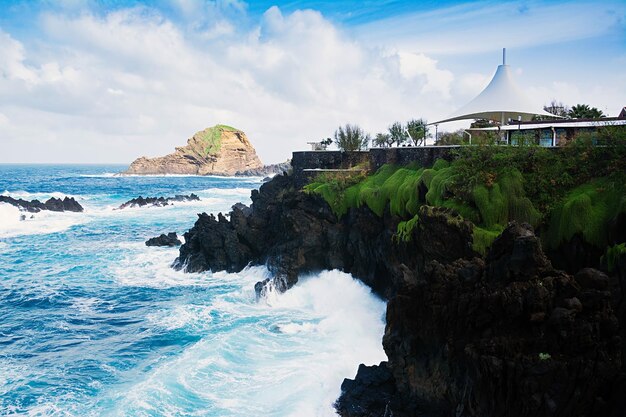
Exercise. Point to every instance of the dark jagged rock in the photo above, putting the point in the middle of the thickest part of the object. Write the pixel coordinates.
(170, 239)
(522, 340)
(67, 204)
(52, 204)
(370, 394)
(158, 201)
(507, 335)
(294, 232)
(266, 170)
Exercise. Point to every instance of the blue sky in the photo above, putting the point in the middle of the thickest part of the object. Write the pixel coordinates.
(107, 81)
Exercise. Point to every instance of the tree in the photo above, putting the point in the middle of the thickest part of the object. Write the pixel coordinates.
(382, 139)
(326, 143)
(417, 130)
(584, 111)
(351, 138)
(557, 109)
(480, 123)
(397, 134)
(451, 138)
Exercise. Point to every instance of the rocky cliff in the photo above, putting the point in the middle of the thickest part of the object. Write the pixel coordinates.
(504, 334)
(218, 150)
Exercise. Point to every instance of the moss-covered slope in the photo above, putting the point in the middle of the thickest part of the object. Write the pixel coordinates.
(579, 190)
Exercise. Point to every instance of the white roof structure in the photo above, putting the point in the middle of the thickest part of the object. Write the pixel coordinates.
(501, 100)
(556, 124)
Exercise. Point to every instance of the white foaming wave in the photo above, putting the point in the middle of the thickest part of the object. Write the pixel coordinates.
(182, 316)
(103, 175)
(42, 196)
(328, 324)
(218, 177)
(151, 267)
(240, 191)
(43, 222)
(203, 202)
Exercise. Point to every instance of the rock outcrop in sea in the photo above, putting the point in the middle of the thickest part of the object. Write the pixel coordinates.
(266, 170)
(170, 239)
(466, 335)
(158, 201)
(52, 204)
(218, 150)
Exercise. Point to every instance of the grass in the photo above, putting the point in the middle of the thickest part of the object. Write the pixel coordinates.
(612, 256)
(212, 138)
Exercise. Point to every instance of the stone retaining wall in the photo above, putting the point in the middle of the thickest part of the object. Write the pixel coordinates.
(305, 163)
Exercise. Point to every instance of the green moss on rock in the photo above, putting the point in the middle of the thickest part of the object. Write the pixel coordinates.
(212, 139)
(483, 238)
(405, 229)
(612, 256)
(588, 210)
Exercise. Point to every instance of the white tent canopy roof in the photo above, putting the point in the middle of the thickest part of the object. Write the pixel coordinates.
(501, 100)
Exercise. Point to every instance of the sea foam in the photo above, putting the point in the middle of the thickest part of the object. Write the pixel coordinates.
(281, 357)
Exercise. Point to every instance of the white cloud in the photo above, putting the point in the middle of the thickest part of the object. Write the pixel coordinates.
(437, 80)
(131, 82)
(107, 87)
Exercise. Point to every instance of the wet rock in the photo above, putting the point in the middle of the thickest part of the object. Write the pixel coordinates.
(52, 204)
(157, 201)
(170, 239)
(369, 394)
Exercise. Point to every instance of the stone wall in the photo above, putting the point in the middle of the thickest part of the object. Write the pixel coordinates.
(425, 156)
(308, 164)
(321, 160)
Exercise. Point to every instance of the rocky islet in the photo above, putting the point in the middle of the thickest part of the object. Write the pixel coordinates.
(52, 204)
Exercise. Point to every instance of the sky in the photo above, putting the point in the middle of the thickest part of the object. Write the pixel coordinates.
(86, 81)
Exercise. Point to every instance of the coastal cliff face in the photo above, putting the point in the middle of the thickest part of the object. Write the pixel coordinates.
(218, 150)
(467, 335)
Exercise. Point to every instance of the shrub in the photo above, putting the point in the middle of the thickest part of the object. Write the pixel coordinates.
(351, 138)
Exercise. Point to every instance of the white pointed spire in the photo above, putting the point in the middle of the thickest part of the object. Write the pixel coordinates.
(501, 100)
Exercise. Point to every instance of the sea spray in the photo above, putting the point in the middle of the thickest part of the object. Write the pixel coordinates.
(95, 323)
(286, 356)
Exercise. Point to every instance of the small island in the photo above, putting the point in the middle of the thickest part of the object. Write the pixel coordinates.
(217, 150)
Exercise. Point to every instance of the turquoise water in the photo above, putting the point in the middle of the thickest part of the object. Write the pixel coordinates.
(94, 323)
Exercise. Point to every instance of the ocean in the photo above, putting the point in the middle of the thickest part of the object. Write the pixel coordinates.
(95, 323)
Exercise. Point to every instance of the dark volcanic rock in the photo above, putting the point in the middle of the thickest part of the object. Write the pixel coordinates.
(523, 340)
(294, 232)
(52, 204)
(170, 239)
(507, 335)
(370, 394)
(266, 170)
(67, 204)
(157, 201)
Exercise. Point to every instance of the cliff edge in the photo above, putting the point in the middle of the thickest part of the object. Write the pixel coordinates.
(217, 150)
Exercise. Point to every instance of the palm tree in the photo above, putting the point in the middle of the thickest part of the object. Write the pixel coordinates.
(584, 111)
